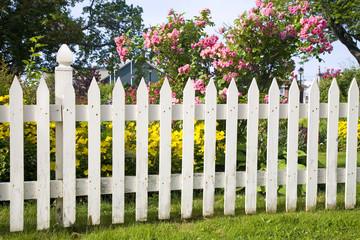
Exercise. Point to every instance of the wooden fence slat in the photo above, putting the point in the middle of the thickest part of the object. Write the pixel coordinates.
(16, 157)
(142, 122)
(252, 148)
(118, 164)
(209, 149)
(272, 147)
(312, 147)
(69, 167)
(231, 149)
(94, 198)
(292, 147)
(188, 150)
(332, 145)
(43, 156)
(165, 151)
(351, 145)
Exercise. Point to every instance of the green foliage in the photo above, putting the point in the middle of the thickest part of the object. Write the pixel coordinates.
(6, 78)
(32, 71)
(343, 80)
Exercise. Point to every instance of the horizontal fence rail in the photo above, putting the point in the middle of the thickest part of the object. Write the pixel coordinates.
(65, 113)
(81, 112)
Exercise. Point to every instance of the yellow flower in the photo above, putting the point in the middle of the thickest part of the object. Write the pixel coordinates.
(103, 168)
(52, 166)
(220, 135)
(108, 139)
(131, 125)
(86, 172)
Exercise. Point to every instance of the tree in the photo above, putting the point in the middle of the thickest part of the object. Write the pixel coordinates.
(343, 19)
(91, 35)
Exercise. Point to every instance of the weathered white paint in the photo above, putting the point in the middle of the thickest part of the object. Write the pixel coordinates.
(188, 150)
(231, 149)
(118, 161)
(16, 157)
(43, 156)
(165, 151)
(69, 167)
(332, 146)
(94, 200)
(252, 148)
(209, 149)
(272, 147)
(142, 121)
(351, 145)
(63, 76)
(312, 147)
(292, 147)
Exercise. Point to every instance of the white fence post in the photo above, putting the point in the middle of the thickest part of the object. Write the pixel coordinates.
(187, 169)
(142, 139)
(292, 147)
(43, 156)
(63, 75)
(16, 157)
(252, 148)
(231, 149)
(94, 161)
(351, 145)
(118, 161)
(312, 148)
(332, 146)
(165, 151)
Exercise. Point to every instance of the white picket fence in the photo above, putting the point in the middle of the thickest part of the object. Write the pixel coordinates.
(66, 186)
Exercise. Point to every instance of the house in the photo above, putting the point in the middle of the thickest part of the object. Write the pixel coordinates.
(130, 73)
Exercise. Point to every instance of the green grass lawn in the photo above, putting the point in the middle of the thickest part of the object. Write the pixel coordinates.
(318, 224)
(341, 159)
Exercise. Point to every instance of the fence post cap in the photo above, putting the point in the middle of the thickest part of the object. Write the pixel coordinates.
(64, 56)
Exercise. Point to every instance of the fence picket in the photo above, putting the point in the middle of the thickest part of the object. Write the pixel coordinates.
(118, 163)
(209, 149)
(142, 122)
(188, 150)
(69, 167)
(94, 163)
(231, 149)
(292, 147)
(43, 156)
(165, 151)
(252, 148)
(332, 145)
(16, 157)
(312, 147)
(351, 145)
(272, 147)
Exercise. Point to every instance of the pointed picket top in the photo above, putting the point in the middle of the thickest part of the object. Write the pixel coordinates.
(142, 89)
(94, 87)
(354, 89)
(189, 89)
(210, 87)
(165, 88)
(15, 85)
(314, 89)
(118, 88)
(64, 56)
(294, 87)
(253, 87)
(233, 88)
(42, 85)
(274, 88)
(334, 88)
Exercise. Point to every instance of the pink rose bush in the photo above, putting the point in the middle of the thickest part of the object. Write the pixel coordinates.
(260, 44)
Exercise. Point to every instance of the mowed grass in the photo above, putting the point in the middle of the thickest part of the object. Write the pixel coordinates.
(318, 224)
